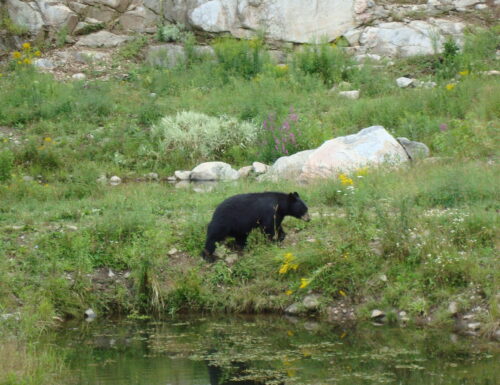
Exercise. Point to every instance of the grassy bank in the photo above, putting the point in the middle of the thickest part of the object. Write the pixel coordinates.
(412, 239)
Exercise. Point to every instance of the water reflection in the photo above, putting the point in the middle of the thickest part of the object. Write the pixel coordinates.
(270, 350)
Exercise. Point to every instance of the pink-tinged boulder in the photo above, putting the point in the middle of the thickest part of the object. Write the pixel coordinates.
(371, 146)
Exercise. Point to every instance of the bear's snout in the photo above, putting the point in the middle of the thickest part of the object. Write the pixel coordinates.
(306, 217)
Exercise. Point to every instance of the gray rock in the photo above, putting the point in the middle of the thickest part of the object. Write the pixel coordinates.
(311, 302)
(245, 171)
(89, 56)
(404, 82)
(102, 39)
(152, 176)
(415, 150)
(25, 14)
(45, 64)
(182, 175)
(214, 171)
(172, 251)
(453, 308)
(354, 94)
(287, 167)
(293, 309)
(28, 178)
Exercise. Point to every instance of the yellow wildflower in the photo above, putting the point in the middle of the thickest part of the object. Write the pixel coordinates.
(26, 45)
(289, 292)
(450, 86)
(19, 62)
(343, 335)
(306, 353)
(290, 333)
(362, 171)
(1, 75)
(27, 61)
(304, 282)
(38, 53)
(47, 139)
(283, 269)
(345, 180)
(342, 293)
(16, 54)
(464, 73)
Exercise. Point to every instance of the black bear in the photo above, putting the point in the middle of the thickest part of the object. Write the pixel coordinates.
(239, 214)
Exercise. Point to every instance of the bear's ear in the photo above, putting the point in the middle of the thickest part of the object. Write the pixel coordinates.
(296, 194)
(292, 196)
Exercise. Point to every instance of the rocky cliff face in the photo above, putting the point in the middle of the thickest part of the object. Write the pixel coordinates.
(382, 26)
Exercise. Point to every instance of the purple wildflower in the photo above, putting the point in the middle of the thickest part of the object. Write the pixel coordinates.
(443, 127)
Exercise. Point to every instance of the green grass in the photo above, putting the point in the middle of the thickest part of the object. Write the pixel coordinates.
(431, 227)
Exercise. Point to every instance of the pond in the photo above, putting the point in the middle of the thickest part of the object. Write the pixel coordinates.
(251, 350)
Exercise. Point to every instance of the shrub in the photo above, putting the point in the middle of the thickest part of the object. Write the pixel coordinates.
(328, 62)
(241, 57)
(170, 32)
(201, 136)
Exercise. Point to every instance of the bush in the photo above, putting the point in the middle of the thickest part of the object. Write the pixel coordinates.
(241, 57)
(199, 136)
(170, 32)
(328, 62)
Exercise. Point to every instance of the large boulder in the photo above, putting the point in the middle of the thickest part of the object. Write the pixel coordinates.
(58, 16)
(102, 39)
(415, 38)
(213, 171)
(287, 167)
(25, 14)
(370, 146)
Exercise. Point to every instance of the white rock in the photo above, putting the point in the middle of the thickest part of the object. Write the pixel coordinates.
(453, 308)
(79, 76)
(28, 178)
(115, 180)
(259, 168)
(377, 314)
(152, 176)
(139, 19)
(367, 56)
(481, 7)
(89, 313)
(464, 3)
(474, 325)
(404, 82)
(214, 15)
(182, 175)
(214, 171)
(58, 15)
(111, 274)
(119, 5)
(172, 251)
(101, 39)
(353, 94)
(88, 56)
(370, 146)
(293, 309)
(287, 167)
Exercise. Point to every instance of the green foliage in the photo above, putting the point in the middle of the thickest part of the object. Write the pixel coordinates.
(324, 60)
(132, 49)
(170, 32)
(244, 58)
(6, 165)
(200, 136)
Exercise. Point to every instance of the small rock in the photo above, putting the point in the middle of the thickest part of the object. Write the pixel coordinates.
(172, 251)
(422, 84)
(293, 309)
(403, 317)
(377, 314)
(90, 314)
(231, 259)
(152, 176)
(474, 325)
(369, 56)
(383, 277)
(182, 175)
(102, 179)
(171, 179)
(311, 326)
(126, 275)
(481, 7)
(245, 171)
(404, 82)
(28, 178)
(354, 94)
(152, 95)
(259, 168)
(311, 302)
(453, 308)
(115, 180)
(415, 150)
(44, 64)
(492, 73)
(111, 274)
(72, 227)
(79, 76)
(468, 317)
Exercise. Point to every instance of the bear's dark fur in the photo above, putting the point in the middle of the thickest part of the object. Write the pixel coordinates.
(239, 214)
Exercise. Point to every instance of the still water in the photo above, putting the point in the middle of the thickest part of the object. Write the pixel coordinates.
(232, 350)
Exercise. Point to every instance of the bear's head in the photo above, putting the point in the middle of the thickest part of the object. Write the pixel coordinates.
(297, 208)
